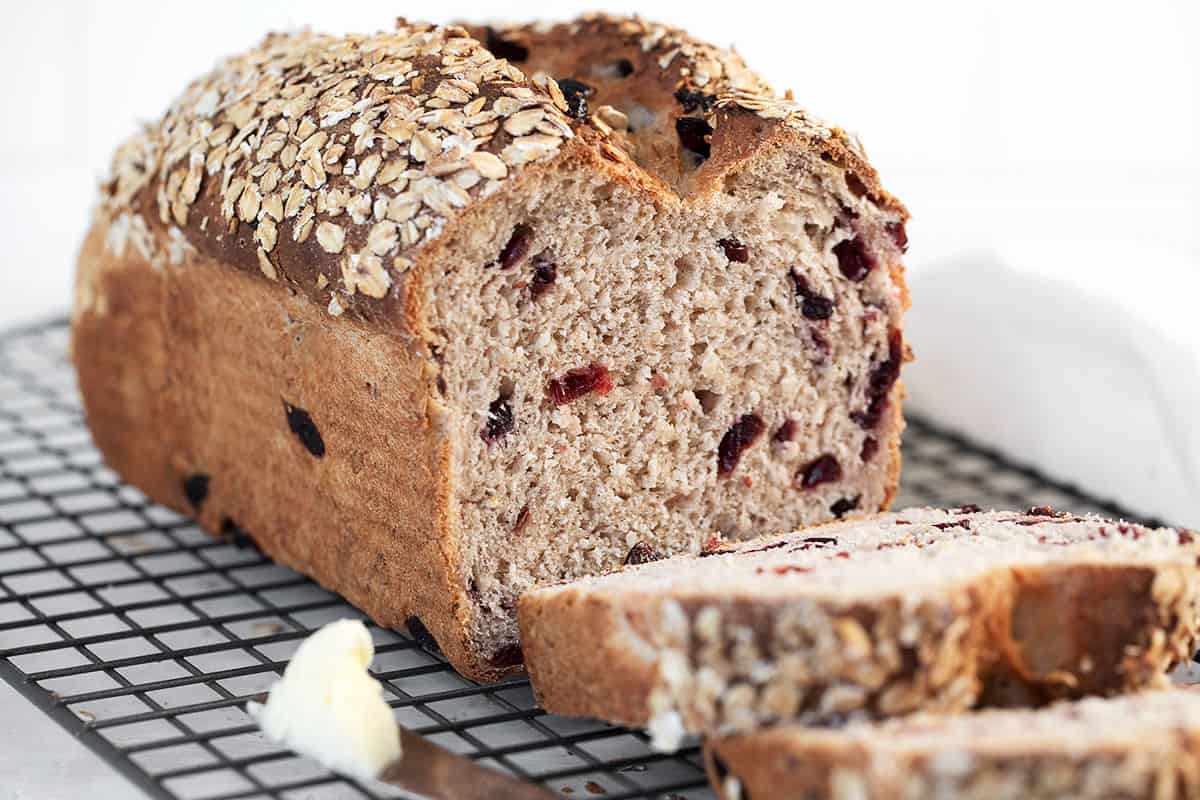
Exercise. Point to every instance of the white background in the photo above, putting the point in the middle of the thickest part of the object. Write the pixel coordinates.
(1033, 141)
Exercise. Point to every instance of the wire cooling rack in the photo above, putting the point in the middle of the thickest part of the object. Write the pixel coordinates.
(143, 636)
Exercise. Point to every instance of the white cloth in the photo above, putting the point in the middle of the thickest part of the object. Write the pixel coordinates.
(1083, 361)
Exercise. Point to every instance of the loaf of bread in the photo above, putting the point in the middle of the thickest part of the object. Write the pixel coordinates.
(922, 609)
(435, 318)
(1142, 746)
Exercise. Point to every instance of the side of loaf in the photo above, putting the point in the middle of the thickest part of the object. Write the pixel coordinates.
(403, 314)
(1143, 746)
(919, 610)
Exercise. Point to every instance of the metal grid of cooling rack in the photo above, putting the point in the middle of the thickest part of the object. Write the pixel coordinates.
(143, 636)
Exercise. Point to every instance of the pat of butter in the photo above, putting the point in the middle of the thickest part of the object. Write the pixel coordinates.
(329, 708)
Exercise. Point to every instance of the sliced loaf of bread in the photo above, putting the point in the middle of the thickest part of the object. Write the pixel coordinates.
(1144, 745)
(435, 319)
(918, 610)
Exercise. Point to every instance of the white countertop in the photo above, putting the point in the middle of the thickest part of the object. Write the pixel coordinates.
(41, 761)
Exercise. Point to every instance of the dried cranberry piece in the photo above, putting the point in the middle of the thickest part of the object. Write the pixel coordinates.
(772, 546)
(642, 553)
(579, 382)
(517, 247)
(232, 533)
(302, 425)
(693, 135)
(817, 308)
(421, 634)
(786, 432)
(624, 67)
(545, 273)
(899, 235)
(853, 259)
(499, 421)
(969, 508)
(825, 469)
(576, 93)
(735, 441)
(195, 488)
(504, 48)
(735, 250)
(870, 446)
(845, 505)
(880, 384)
(812, 305)
(784, 569)
(522, 519)
(693, 100)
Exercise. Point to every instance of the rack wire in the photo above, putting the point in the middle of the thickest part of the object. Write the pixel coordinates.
(144, 637)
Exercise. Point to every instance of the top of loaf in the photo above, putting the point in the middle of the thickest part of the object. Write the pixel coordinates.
(887, 553)
(330, 161)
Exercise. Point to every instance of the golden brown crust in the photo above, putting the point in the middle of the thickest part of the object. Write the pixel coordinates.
(1141, 746)
(179, 380)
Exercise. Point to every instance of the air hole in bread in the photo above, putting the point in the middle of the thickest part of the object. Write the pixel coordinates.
(545, 273)
(708, 400)
(693, 134)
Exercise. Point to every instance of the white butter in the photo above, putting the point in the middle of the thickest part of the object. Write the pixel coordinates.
(329, 708)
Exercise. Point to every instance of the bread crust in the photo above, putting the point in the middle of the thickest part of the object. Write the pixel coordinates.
(205, 394)
(1020, 634)
(208, 253)
(1133, 757)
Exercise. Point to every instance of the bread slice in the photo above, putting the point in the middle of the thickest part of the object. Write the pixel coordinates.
(922, 609)
(431, 332)
(1142, 746)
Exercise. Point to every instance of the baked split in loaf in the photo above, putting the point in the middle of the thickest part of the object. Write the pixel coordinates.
(434, 331)
(1143, 746)
(922, 609)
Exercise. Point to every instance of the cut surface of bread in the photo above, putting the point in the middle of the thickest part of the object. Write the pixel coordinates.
(1143, 746)
(922, 609)
(433, 331)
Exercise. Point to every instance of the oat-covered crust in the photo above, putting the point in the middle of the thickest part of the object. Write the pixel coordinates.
(326, 161)
(1144, 745)
(922, 609)
(329, 163)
